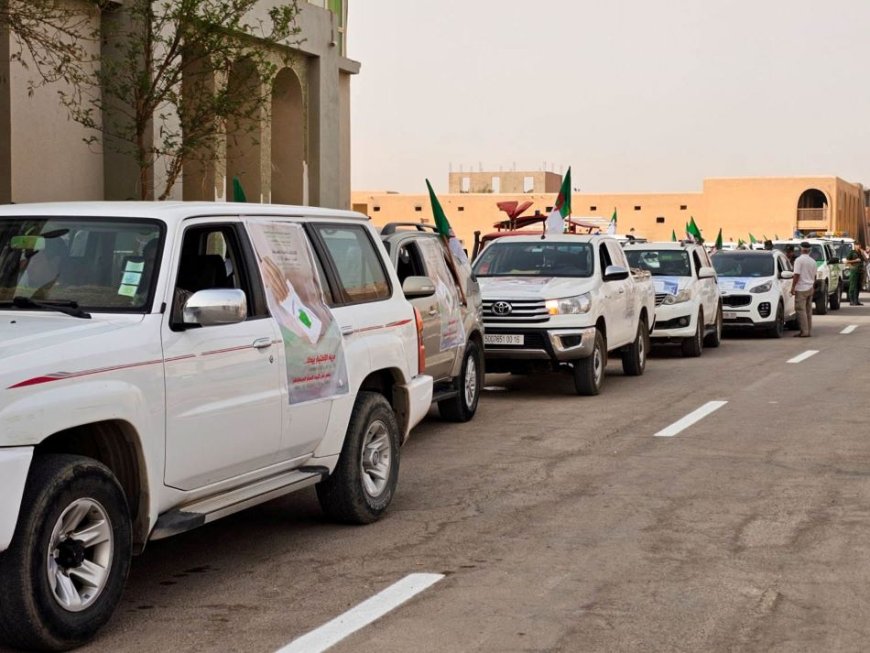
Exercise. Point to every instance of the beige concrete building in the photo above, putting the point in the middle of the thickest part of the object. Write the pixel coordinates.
(299, 154)
(759, 206)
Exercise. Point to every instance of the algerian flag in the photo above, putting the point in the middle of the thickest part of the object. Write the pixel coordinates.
(740, 242)
(693, 231)
(556, 220)
(238, 191)
(611, 228)
(673, 236)
(752, 239)
(444, 229)
(719, 240)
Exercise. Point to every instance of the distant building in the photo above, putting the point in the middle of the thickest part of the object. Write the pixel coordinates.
(505, 182)
(761, 206)
(301, 155)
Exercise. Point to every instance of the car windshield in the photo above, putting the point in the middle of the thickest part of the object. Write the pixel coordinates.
(815, 251)
(661, 262)
(539, 259)
(103, 265)
(743, 265)
(843, 249)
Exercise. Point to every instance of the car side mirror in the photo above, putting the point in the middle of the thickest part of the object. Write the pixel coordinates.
(215, 307)
(706, 272)
(615, 273)
(835, 260)
(418, 287)
(786, 274)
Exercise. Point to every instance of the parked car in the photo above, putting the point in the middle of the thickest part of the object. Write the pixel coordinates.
(163, 365)
(688, 306)
(829, 277)
(756, 290)
(452, 316)
(564, 301)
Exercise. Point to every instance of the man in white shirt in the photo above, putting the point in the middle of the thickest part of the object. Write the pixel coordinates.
(802, 284)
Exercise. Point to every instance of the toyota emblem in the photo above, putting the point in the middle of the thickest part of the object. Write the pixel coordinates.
(502, 308)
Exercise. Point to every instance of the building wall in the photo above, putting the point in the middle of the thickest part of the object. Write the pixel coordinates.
(760, 206)
(505, 182)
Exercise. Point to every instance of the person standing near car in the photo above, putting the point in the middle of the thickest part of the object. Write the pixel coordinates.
(856, 270)
(802, 284)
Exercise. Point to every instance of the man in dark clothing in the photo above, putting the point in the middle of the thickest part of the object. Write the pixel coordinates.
(856, 270)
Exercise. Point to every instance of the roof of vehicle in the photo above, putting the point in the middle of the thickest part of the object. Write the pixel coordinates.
(558, 238)
(171, 212)
(749, 252)
(669, 244)
(408, 229)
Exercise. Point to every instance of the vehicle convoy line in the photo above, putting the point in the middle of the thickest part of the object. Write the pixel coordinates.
(695, 416)
(800, 358)
(849, 329)
(370, 610)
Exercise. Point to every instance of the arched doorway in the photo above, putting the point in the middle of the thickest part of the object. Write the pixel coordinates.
(243, 136)
(812, 211)
(288, 140)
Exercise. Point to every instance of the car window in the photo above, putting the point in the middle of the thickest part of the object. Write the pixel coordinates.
(661, 262)
(540, 258)
(360, 271)
(409, 262)
(743, 265)
(697, 261)
(617, 255)
(103, 264)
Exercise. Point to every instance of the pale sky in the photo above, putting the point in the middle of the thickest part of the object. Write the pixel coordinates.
(635, 95)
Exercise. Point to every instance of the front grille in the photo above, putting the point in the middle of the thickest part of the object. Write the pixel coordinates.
(736, 300)
(660, 297)
(522, 310)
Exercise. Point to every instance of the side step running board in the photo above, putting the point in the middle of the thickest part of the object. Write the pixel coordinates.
(202, 511)
(444, 394)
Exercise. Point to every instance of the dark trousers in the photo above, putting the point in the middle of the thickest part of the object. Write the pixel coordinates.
(854, 289)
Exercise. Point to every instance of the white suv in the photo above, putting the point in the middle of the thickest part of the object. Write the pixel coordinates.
(163, 365)
(688, 308)
(756, 290)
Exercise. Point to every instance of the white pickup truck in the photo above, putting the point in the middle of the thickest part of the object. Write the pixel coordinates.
(563, 300)
(163, 365)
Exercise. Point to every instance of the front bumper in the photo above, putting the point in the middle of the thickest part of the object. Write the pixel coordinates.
(416, 399)
(759, 313)
(543, 344)
(14, 465)
(675, 321)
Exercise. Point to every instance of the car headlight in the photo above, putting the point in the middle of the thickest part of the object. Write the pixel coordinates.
(762, 287)
(681, 296)
(820, 274)
(570, 305)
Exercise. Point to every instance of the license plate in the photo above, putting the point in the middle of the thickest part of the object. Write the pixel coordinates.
(503, 339)
(729, 315)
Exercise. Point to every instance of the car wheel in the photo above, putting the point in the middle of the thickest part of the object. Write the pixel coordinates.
(462, 407)
(835, 298)
(63, 575)
(714, 339)
(778, 327)
(693, 346)
(363, 482)
(589, 371)
(821, 302)
(634, 356)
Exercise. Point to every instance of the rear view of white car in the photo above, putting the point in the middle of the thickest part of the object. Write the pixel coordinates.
(688, 309)
(755, 287)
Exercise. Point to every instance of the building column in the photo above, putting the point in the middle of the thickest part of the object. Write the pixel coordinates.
(5, 120)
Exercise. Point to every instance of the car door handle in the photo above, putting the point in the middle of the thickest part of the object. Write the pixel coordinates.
(346, 330)
(262, 343)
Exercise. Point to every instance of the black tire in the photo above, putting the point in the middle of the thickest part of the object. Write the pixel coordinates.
(778, 328)
(462, 407)
(346, 495)
(634, 356)
(589, 371)
(834, 302)
(693, 346)
(32, 615)
(714, 339)
(821, 302)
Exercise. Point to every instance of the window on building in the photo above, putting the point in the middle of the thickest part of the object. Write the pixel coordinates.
(528, 184)
(549, 209)
(637, 207)
(593, 208)
(466, 185)
(418, 208)
(460, 208)
(683, 207)
(660, 220)
(496, 185)
(376, 208)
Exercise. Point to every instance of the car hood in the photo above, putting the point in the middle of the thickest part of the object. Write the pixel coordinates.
(533, 287)
(739, 284)
(670, 285)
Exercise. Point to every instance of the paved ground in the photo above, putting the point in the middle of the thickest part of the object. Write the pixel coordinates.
(562, 524)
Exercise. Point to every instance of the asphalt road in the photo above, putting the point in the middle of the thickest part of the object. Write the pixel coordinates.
(562, 524)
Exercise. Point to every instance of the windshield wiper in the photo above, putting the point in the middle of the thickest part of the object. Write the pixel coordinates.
(66, 306)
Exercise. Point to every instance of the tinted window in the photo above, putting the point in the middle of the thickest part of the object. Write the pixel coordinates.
(101, 264)
(546, 259)
(357, 264)
(742, 265)
(661, 262)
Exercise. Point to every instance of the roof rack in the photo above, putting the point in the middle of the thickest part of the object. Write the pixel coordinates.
(392, 227)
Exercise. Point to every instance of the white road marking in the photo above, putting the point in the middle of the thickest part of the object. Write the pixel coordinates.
(695, 416)
(802, 357)
(850, 328)
(370, 610)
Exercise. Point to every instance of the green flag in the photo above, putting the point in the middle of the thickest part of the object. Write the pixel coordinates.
(611, 228)
(693, 231)
(719, 239)
(752, 239)
(740, 242)
(673, 236)
(562, 209)
(441, 223)
(238, 191)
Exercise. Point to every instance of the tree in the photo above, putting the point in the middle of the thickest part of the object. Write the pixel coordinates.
(167, 64)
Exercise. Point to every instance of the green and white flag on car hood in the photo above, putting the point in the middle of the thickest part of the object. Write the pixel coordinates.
(555, 223)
